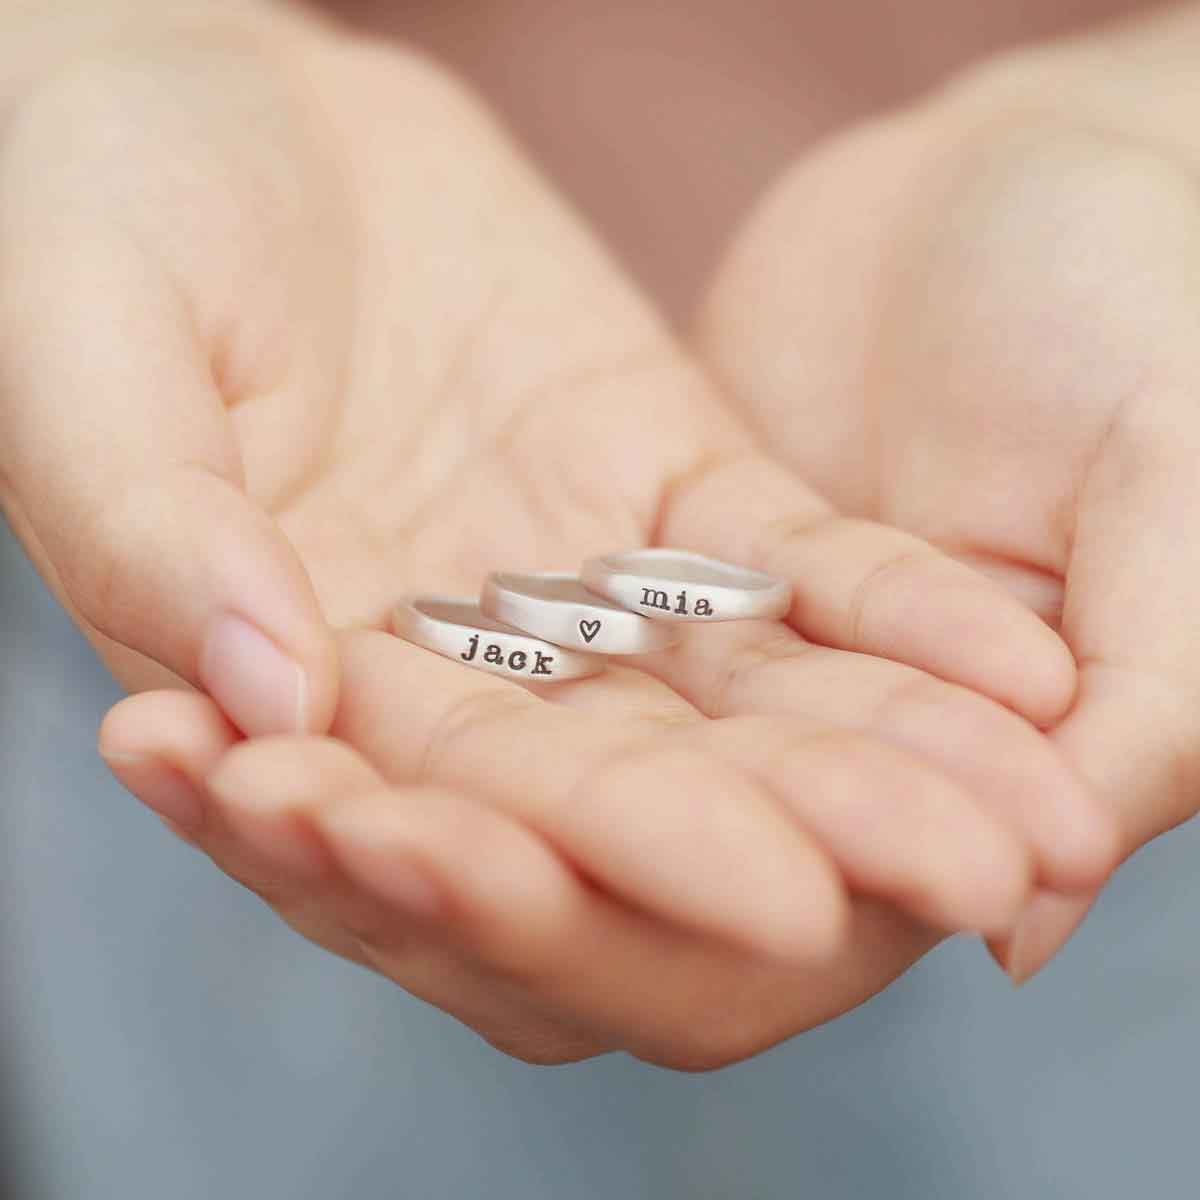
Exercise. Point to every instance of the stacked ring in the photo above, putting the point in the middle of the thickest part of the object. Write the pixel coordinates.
(552, 626)
(560, 609)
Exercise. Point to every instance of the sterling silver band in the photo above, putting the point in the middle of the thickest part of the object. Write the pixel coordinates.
(560, 609)
(455, 628)
(677, 585)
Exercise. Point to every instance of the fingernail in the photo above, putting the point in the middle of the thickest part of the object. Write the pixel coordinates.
(160, 787)
(261, 689)
(1042, 931)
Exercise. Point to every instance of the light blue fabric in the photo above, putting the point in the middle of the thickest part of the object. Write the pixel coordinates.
(164, 1036)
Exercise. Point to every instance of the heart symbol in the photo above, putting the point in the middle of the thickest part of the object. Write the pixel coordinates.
(589, 629)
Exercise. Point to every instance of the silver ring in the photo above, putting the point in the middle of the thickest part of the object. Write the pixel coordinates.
(677, 585)
(455, 628)
(560, 609)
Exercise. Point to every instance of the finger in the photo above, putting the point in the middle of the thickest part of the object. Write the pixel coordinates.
(1129, 611)
(1043, 929)
(865, 587)
(522, 951)
(159, 745)
(669, 831)
(521, 948)
(898, 828)
(1008, 769)
(255, 826)
(875, 808)
(662, 993)
(285, 798)
(162, 745)
(1135, 731)
(122, 477)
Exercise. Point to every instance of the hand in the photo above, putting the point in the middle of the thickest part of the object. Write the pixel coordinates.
(977, 320)
(335, 334)
(568, 879)
(612, 871)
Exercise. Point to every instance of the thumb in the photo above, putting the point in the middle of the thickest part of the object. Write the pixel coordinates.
(121, 475)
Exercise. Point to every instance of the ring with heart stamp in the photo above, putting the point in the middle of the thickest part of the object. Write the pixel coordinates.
(557, 607)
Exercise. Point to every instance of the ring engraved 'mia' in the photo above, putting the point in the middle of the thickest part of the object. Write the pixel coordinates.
(677, 585)
(560, 609)
(457, 629)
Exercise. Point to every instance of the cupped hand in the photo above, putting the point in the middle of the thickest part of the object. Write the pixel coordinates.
(979, 320)
(610, 872)
(290, 330)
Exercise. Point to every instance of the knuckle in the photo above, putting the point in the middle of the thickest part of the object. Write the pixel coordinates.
(907, 558)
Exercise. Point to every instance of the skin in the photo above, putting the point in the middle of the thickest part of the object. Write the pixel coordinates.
(997, 350)
(565, 871)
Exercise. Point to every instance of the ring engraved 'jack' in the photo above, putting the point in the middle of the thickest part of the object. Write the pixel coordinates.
(678, 585)
(560, 609)
(456, 628)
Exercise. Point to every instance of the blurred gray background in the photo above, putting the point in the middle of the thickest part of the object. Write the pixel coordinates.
(163, 1035)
